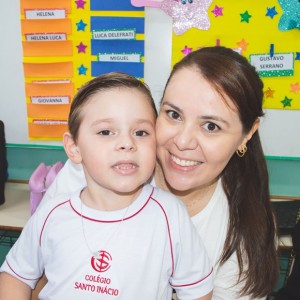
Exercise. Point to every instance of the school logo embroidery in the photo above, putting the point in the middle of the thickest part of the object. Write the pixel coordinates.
(101, 263)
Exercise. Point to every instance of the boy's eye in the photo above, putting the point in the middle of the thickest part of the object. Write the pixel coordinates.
(141, 133)
(105, 132)
(173, 114)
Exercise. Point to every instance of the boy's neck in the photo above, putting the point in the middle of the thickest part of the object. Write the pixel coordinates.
(108, 200)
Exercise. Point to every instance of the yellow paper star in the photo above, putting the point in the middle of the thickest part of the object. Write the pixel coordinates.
(242, 44)
(269, 93)
(295, 88)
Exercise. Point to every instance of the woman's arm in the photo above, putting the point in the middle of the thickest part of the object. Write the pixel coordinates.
(12, 288)
(206, 297)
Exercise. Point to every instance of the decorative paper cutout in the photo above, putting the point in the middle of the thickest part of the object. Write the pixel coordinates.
(46, 26)
(52, 111)
(109, 23)
(36, 37)
(62, 48)
(59, 69)
(271, 50)
(81, 26)
(114, 34)
(257, 36)
(186, 50)
(134, 69)
(82, 70)
(280, 64)
(50, 100)
(44, 14)
(245, 17)
(119, 57)
(47, 131)
(51, 89)
(217, 11)
(295, 87)
(49, 4)
(80, 3)
(271, 12)
(81, 48)
(290, 18)
(187, 15)
(140, 3)
(110, 5)
(243, 44)
(117, 46)
(269, 93)
(48, 69)
(286, 101)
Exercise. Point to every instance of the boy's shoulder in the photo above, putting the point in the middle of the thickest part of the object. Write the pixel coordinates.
(46, 206)
(166, 198)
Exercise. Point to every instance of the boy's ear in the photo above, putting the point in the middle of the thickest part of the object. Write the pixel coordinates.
(71, 148)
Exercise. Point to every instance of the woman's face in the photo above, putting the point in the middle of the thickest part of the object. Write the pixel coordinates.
(197, 131)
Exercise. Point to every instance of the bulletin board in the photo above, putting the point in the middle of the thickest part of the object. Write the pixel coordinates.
(267, 33)
(66, 43)
(279, 129)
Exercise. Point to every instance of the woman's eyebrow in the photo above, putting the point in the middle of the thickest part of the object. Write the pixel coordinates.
(214, 118)
(205, 117)
(172, 105)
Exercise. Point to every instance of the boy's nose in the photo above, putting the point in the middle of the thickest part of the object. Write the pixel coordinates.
(126, 143)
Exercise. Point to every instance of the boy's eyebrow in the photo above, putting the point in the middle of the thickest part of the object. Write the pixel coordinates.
(108, 120)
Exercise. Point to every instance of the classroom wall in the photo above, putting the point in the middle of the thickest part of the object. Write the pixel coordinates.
(279, 128)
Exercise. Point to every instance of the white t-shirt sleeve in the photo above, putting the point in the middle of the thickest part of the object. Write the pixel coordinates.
(192, 276)
(24, 260)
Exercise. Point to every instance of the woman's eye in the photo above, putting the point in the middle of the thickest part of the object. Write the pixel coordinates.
(141, 133)
(211, 126)
(105, 132)
(173, 114)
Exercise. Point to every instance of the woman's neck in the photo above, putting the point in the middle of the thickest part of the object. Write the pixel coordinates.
(194, 199)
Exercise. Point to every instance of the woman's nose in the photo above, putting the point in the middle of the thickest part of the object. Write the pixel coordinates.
(186, 139)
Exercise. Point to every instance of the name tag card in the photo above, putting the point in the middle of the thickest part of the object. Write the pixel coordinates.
(46, 37)
(120, 57)
(280, 64)
(50, 100)
(122, 34)
(33, 14)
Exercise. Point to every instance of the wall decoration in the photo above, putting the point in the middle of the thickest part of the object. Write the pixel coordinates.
(265, 32)
(66, 43)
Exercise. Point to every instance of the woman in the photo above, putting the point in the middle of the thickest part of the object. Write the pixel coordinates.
(210, 156)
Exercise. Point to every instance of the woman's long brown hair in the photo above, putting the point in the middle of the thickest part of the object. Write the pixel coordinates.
(251, 233)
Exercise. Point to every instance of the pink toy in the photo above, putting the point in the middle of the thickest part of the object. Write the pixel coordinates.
(39, 181)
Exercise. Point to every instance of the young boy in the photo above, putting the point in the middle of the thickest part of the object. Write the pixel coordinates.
(118, 238)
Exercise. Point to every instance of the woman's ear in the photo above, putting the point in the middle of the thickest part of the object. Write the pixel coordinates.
(249, 135)
(71, 148)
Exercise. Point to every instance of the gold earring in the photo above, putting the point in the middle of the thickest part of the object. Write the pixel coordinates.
(241, 152)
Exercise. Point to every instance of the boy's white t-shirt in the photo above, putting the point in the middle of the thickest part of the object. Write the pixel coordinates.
(211, 224)
(144, 250)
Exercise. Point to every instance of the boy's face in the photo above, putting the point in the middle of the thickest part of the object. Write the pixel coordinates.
(116, 140)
